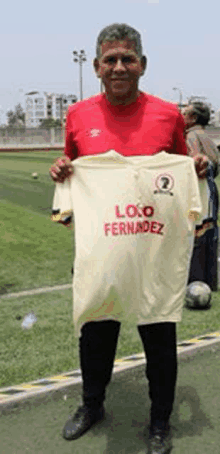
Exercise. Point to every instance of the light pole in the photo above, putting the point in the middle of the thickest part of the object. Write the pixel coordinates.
(181, 96)
(80, 57)
(60, 100)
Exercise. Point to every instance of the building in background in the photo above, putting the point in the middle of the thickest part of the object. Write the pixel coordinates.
(42, 105)
(217, 119)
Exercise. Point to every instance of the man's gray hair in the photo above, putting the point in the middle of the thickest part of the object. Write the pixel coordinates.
(116, 32)
(202, 111)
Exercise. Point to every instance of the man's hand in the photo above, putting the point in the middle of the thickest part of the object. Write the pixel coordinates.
(61, 169)
(201, 163)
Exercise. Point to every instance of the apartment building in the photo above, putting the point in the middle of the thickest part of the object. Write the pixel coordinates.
(42, 105)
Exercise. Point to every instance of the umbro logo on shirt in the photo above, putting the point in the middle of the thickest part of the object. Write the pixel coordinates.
(93, 132)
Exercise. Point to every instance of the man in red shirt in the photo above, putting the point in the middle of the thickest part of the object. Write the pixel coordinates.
(132, 123)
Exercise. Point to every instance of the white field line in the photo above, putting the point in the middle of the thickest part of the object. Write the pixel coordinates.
(36, 291)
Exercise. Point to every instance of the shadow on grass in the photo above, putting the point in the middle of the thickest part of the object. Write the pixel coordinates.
(188, 418)
(4, 288)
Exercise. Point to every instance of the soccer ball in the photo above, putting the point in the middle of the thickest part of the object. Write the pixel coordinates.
(34, 175)
(198, 295)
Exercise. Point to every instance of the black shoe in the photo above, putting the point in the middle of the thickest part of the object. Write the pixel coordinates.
(159, 441)
(83, 419)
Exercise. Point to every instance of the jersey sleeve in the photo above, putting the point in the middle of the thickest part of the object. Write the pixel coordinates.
(179, 143)
(62, 210)
(197, 196)
(70, 149)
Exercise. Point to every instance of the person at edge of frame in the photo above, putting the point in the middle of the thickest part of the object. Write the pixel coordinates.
(93, 126)
(204, 261)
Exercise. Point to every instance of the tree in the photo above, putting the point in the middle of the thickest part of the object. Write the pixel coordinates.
(49, 123)
(16, 117)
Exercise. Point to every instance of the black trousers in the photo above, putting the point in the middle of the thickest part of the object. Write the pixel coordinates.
(98, 344)
(204, 262)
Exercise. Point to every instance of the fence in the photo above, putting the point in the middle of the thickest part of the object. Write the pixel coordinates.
(31, 136)
(18, 137)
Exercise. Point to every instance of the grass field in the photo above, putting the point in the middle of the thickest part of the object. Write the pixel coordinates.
(34, 252)
(50, 347)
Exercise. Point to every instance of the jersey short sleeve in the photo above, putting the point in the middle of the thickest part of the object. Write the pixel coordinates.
(70, 148)
(197, 195)
(179, 144)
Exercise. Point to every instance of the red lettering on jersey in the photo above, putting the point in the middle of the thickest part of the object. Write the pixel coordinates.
(126, 228)
(131, 211)
(130, 227)
(146, 226)
(160, 227)
(114, 228)
(148, 211)
(138, 228)
(117, 212)
(153, 227)
(106, 228)
(122, 228)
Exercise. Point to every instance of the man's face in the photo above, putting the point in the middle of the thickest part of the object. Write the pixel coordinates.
(120, 69)
(189, 116)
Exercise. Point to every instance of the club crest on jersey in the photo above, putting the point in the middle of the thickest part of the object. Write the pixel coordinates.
(164, 184)
(94, 132)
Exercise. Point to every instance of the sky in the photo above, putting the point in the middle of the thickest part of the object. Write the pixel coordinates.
(180, 39)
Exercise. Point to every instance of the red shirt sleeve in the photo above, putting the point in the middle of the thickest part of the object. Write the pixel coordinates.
(179, 143)
(70, 149)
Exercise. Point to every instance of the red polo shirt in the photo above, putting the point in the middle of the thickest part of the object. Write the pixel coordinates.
(144, 127)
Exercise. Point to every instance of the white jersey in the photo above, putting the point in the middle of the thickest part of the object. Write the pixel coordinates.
(134, 220)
